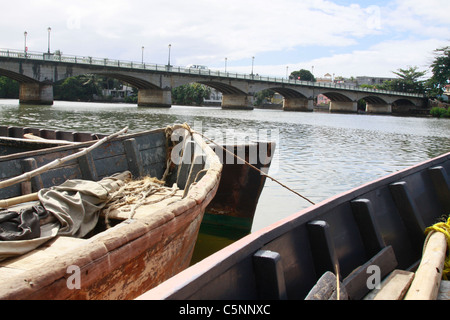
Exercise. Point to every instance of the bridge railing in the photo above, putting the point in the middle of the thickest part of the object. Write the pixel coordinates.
(58, 57)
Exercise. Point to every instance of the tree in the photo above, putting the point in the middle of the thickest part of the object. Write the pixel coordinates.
(72, 89)
(441, 72)
(263, 96)
(190, 94)
(9, 88)
(303, 75)
(408, 81)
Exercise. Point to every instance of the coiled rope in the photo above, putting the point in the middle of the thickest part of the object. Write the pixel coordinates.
(443, 227)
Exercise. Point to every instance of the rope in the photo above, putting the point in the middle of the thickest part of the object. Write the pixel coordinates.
(134, 194)
(253, 167)
(443, 227)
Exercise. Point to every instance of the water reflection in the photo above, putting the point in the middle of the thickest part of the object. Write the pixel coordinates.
(320, 154)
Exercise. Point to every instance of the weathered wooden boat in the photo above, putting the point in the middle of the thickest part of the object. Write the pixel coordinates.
(229, 215)
(379, 224)
(136, 253)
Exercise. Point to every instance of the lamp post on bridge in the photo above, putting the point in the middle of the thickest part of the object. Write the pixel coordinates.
(142, 59)
(168, 63)
(253, 60)
(226, 64)
(49, 29)
(25, 46)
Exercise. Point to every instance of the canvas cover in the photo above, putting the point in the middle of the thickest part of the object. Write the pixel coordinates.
(70, 209)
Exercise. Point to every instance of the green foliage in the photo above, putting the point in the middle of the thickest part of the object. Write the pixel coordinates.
(303, 75)
(190, 94)
(441, 72)
(9, 88)
(73, 89)
(262, 96)
(408, 81)
(439, 112)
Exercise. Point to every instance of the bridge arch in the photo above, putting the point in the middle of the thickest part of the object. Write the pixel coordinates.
(337, 96)
(31, 90)
(224, 88)
(17, 76)
(341, 102)
(402, 105)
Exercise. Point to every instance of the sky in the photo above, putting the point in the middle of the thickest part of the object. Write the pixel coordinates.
(338, 37)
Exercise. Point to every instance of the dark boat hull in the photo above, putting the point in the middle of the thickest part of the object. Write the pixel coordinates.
(347, 230)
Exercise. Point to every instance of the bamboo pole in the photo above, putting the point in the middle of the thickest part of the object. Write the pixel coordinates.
(57, 162)
(427, 279)
(20, 199)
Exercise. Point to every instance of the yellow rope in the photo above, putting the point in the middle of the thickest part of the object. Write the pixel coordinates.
(443, 227)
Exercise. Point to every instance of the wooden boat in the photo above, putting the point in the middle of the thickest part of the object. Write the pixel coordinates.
(229, 215)
(135, 254)
(379, 224)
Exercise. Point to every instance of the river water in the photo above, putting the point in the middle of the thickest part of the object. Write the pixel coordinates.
(318, 154)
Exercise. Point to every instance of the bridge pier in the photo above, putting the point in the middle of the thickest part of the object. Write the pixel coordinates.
(35, 93)
(378, 108)
(297, 104)
(154, 98)
(343, 106)
(237, 101)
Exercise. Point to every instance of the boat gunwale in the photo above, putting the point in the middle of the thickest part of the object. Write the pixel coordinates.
(209, 268)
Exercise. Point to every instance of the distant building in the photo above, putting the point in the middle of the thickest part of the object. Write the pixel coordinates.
(326, 78)
(215, 98)
(117, 95)
(323, 100)
(373, 81)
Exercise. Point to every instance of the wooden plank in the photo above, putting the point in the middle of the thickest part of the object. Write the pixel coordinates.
(42, 255)
(356, 282)
(322, 246)
(269, 275)
(87, 167)
(428, 276)
(441, 183)
(409, 213)
(326, 289)
(29, 164)
(394, 287)
(364, 216)
(134, 158)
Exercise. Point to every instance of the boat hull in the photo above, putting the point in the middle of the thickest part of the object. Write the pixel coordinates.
(346, 231)
(135, 254)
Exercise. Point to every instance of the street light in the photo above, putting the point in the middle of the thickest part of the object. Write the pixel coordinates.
(142, 55)
(287, 72)
(49, 29)
(253, 60)
(226, 64)
(168, 64)
(25, 46)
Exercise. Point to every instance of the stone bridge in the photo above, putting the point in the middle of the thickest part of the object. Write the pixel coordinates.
(37, 73)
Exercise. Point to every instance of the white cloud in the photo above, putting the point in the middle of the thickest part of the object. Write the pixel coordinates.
(379, 60)
(373, 38)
